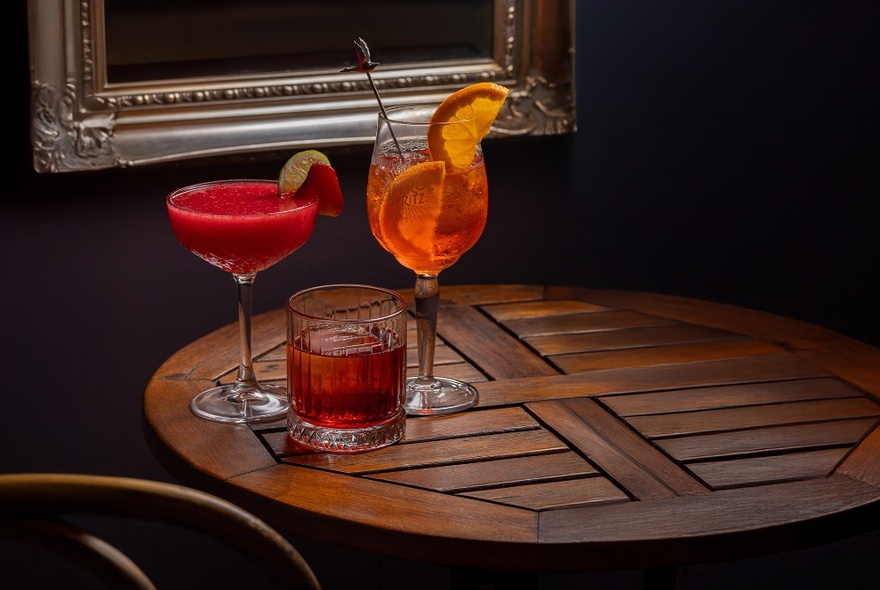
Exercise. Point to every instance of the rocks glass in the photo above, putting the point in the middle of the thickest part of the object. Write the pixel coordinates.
(346, 367)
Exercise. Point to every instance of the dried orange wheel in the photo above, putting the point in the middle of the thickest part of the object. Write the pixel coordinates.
(412, 204)
(478, 106)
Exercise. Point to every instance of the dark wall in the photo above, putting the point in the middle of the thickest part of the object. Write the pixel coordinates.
(725, 150)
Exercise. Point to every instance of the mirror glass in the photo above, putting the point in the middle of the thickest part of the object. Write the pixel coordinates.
(186, 38)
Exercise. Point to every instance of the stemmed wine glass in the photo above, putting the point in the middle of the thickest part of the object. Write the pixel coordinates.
(241, 227)
(427, 217)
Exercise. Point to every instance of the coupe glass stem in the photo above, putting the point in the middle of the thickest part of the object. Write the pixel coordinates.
(427, 295)
(245, 399)
(246, 381)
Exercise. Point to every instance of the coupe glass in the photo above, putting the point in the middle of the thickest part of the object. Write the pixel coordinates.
(241, 227)
(427, 228)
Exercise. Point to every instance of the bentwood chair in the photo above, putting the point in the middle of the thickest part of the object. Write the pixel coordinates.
(33, 505)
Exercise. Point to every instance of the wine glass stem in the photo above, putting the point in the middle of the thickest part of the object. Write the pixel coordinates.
(246, 380)
(427, 295)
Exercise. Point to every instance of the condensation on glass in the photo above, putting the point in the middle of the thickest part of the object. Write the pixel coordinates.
(120, 83)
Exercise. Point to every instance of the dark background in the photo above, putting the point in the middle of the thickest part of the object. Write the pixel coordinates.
(725, 151)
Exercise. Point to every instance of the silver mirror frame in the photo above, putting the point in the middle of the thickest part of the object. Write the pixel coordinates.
(80, 121)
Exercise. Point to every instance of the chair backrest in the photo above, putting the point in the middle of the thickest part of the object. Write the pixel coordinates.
(32, 504)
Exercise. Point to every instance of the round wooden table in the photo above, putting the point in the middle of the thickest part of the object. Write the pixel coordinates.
(615, 431)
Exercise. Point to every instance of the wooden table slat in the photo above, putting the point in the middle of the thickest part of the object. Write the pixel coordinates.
(661, 425)
(768, 469)
(491, 474)
(728, 396)
(325, 498)
(468, 424)
(554, 495)
(421, 429)
(575, 323)
(443, 355)
(484, 294)
(487, 345)
(536, 309)
(224, 450)
(642, 379)
(638, 467)
(749, 322)
(654, 335)
(440, 452)
(661, 355)
(461, 371)
(862, 463)
(702, 517)
(842, 433)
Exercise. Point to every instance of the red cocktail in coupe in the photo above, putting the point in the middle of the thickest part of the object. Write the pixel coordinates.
(243, 227)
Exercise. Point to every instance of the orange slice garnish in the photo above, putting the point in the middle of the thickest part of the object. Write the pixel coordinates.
(409, 212)
(478, 106)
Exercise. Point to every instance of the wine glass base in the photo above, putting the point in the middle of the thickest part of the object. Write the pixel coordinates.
(442, 396)
(228, 403)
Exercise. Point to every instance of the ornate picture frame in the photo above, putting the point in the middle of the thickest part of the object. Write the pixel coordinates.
(82, 121)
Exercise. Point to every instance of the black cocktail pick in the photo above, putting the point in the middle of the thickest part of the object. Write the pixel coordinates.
(366, 65)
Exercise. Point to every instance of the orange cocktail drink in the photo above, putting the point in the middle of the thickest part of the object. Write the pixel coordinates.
(427, 203)
(432, 216)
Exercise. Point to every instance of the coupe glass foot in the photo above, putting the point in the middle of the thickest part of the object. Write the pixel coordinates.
(227, 403)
